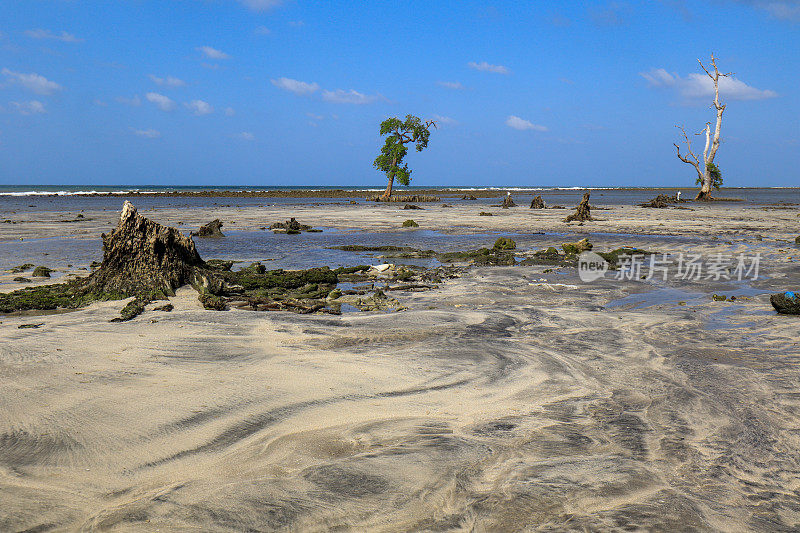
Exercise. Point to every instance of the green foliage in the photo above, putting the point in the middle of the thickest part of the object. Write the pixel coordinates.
(399, 134)
(410, 224)
(716, 176)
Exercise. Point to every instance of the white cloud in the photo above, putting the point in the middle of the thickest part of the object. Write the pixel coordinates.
(33, 82)
(149, 134)
(263, 30)
(169, 81)
(47, 34)
(100, 103)
(340, 96)
(483, 66)
(297, 23)
(199, 107)
(315, 117)
(780, 9)
(163, 103)
(229, 111)
(696, 85)
(295, 86)
(522, 124)
(134, 101)
(34, 107)
(444, 121)
(456, 86)
(212, 53)
(246, 136)
(261, 5)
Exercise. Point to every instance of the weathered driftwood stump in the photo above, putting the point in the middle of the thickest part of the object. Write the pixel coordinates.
(537, 203)
(212, 229)
(583, 211)
(142, 257)
(508, 202)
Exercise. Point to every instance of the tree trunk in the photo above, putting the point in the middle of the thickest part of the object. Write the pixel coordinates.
(705, 190)
(388, 192)
(582, 212)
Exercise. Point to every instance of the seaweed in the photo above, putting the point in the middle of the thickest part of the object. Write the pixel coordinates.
(70, 295)
(21, 268)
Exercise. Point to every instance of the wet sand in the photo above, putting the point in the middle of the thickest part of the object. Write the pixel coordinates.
(508, 399)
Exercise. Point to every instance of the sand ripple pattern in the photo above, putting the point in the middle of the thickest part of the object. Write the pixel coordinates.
(504, 408)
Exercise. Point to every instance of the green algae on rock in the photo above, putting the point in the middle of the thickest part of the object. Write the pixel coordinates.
(41, 272)
(504, 243)
(21, 268)
(410, 224)
(574, 248)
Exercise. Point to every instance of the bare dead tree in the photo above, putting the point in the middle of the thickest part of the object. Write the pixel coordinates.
(712, 142)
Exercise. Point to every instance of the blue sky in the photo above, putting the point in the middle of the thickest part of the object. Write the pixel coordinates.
(269, 92)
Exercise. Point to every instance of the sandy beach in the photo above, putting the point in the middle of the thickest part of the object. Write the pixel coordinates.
(509, 398)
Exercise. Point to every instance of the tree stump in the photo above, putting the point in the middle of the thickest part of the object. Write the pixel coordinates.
(508, 202)
(142, 257)
(537, 203)
(212, 229)
(582, 213)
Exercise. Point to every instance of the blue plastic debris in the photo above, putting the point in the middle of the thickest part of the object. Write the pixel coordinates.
(789, 294)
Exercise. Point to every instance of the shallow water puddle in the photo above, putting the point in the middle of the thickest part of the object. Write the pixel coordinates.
(659, 296)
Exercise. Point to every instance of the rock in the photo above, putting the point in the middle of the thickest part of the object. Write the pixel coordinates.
(508, 202)
(719, 297)
(537, 203)
(786, 303)
(414, 198)
(412, 206)
(143, 257)
(574, 248)
(20, 279)
(796, 239)
(485, 214)
(660, 202)
(549, 254)
(469, 197)
(504, 243)
(481, 256)
(212, 229)
(211, 301)
(335, 294)
(133, 309)
(381, 268)
(291, 226)
(21, 268)
(165, 308)
(219, 264)
(410, 224)
(582, 212)
(41, 272)
(613, 256)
